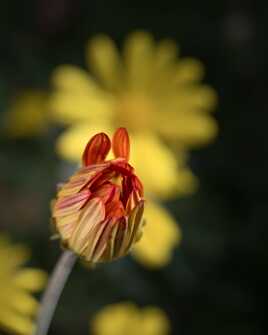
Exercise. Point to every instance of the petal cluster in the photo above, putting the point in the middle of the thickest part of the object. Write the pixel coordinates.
(98, 211)
(17, 305)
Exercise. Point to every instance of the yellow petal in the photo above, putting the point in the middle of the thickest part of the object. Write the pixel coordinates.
(155, 164)
(192, 130)
(117, 319)
(185, 118)
(161, 235)
(127, 318)
(77, 97)
(23, 302)
(28, 114)
(15, 323)
(30, 279)
(189, 70)
(104, 61)
(73, 79)
(71, 144)
(154, 322)
(68, 108)
(17, 305)
(138, 56)
(165, 54)
(200, 97)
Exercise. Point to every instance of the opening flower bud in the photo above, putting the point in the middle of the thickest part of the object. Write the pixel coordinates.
(98, 211)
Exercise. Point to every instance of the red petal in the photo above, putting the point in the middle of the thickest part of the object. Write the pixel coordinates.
(108, 192)
(96, 149)
(114, 209)
(120, 143)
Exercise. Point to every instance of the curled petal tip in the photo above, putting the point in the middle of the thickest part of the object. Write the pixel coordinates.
(121, 144)
(97, 149)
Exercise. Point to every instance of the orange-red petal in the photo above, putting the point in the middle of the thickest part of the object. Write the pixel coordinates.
(108, 192)
(96, 150)
(121, 144)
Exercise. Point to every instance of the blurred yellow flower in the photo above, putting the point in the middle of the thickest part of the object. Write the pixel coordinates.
(155, 95)
(160, 99)
(127, 318)
(17, 305)
(28, 114)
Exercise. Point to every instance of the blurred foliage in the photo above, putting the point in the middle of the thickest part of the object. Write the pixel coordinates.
(217, 278)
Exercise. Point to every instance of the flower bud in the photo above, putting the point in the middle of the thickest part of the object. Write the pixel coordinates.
(98, 211)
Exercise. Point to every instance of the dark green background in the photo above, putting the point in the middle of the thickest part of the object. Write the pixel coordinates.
(217, 280)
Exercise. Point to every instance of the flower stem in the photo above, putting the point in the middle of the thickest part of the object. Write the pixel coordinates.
(53, 291)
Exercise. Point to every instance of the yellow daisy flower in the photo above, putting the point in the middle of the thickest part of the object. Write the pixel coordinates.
(155, 95)
(28, 114)
(127, 318)
(158, 97)
(17, 305)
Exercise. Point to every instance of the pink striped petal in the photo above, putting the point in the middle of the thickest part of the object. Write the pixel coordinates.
(91, 215)
(71, 203)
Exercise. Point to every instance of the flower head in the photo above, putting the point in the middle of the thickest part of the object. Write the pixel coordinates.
(98, 212)
(17, 305)
(127, 318)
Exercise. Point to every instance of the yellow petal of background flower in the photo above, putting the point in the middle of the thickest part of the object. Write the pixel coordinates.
(126, 318)
(161, 235)
(22, 302)
(77, 98)
(31, 279)
(27, 114)
(117, 319)
(15, 324)
(73, 79)
(190, 130)
(138, 57)
(104, 61)
(189, 70)
(165, 54)
(198, 97)
(155, 322)
(17, 304)
(71, 108)
(71, 143)
(149, 154)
